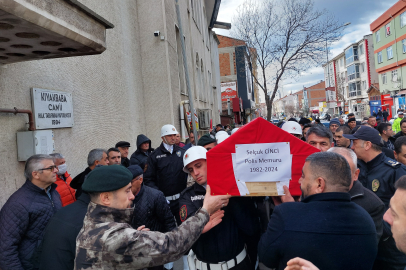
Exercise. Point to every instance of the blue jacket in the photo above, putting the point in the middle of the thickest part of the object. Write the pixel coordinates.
(327, 229)
(22, 222)
(152, 210)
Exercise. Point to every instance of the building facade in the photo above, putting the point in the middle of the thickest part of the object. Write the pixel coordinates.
(236, 70)
(123, 81)
(389, 39)
(349, 76)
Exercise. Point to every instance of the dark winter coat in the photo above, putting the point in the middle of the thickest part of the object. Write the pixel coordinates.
(165, 170)
(152, 210)
(22, 223)
(139, 157)
(398, 135)
(77, 182)
(59, 243)
(327, 229)
(371, 203)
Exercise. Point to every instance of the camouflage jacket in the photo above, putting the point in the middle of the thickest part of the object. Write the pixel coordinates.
(107, 241)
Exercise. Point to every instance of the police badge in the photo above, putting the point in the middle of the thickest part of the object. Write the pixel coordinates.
(183, 213)
(375, 185)
(179, 153)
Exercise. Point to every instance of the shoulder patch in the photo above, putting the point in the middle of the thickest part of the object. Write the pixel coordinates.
(392, 163)
(183, 213)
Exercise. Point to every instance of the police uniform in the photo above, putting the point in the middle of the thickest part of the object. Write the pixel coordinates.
(222, 247)
(380, 175)
(165, 173)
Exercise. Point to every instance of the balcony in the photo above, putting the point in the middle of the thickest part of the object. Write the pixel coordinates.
(33, 30)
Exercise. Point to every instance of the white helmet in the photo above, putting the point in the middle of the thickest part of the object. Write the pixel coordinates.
(168, 130)
(292, 127)
(234, 130)
(192, 154)
(221, 136)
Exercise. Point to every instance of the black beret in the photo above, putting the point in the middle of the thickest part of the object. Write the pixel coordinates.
(206, 139)
(135, 170)
(107, 178)
(123, 144)
(351, 120)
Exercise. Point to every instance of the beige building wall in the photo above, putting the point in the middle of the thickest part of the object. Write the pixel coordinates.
(131, 88)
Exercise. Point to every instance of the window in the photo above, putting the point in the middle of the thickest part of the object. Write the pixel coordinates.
(404, 45)
(387, 29)
(403, 19)
(378, 36)
(353, 72)
(364, 85)
(341, 62)
(361, 49)
(394, 75)
(354, 89)
(351, 55)
(379, 57)
(389, 52)
(384, 78)
(362, 67)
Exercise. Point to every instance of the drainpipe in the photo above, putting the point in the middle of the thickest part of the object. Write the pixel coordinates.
(182, 42)
(182, 119)
(15, 111)
(396, 48)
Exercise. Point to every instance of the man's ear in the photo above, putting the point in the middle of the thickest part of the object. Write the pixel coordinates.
(321, 185)
(356, 174)
(332, 144)
(395, 154)
(105, 198)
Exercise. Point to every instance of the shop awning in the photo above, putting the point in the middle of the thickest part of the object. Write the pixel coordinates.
(32, 30)
(403, 92)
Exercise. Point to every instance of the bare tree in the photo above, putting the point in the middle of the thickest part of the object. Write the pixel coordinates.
(288, 36)
(289, 110)
(340, 88)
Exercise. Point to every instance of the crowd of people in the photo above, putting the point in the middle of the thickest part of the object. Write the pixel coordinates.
(153, 207)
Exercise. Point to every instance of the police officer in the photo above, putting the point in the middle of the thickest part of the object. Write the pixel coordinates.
(221, 246)
(164, 169)
(379, 174)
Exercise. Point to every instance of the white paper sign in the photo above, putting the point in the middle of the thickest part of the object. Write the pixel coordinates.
(264, 162)
(242, 187)
(52, 109)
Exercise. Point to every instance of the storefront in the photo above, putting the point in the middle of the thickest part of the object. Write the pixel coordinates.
(374, 106)
(387, 103)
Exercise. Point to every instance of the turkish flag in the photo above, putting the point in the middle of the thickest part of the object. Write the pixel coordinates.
(220, 173)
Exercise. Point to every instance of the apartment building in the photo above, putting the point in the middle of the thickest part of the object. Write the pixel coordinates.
(389, 39)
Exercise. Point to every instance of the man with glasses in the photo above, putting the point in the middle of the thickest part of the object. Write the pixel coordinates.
(26, 213)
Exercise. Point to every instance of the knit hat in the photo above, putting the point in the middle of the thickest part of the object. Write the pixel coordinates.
(352, 120)
(135, 170)
(107, 178)
(335, 121)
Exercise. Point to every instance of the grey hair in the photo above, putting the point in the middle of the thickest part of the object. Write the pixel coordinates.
(333, 168)
(33, 164)
(346, 153)
(95, 154)
(56, 156)
(320, 131)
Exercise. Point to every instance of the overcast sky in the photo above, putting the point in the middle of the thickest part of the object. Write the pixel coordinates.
(359, 12)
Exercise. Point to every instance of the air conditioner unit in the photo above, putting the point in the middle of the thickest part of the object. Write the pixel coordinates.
(204, 118)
